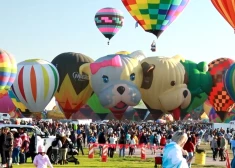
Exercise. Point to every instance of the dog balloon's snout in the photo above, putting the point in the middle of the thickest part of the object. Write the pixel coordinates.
(185, 93)
(121, 90)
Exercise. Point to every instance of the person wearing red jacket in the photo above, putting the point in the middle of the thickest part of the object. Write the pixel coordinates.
(190, 148)
(163, 141)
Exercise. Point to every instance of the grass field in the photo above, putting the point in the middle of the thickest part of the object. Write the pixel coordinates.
(117, 162)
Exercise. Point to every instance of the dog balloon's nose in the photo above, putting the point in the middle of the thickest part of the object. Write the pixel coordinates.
(185, 93)
(121, 90)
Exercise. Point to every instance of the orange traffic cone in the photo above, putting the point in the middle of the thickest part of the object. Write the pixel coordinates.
(143, 154)
(91, 151)
(104, 153)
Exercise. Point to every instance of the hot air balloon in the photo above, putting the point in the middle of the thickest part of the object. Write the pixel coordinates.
(109, 21)
(199, 82)
(227, 9)
(8, 70)
(141, 110)
(219, 97)
(116, 80)
(6, 105)
(229, 81)
(35, 84)
(95, 105)
(20, 106)
(74, 89)
(155, 16)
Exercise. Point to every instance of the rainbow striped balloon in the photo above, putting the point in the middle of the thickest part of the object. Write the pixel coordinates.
(229, 81)
(109, 21)
(35, 84)
(8, 70)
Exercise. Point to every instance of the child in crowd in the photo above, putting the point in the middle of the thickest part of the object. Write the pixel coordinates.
(41, 160)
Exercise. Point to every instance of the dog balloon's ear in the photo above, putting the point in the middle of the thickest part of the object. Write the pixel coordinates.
(139, 55)
(147, 75)
(85, 69)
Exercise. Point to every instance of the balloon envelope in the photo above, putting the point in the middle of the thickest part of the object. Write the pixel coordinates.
(155, 16)
(218, 97)
(229, 82)
(74, 89)
(6, 104)
(227, 9)
(35, 84)
(8, 70)
(109, 21)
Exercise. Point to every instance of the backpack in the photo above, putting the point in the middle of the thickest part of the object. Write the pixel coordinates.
(54, 143)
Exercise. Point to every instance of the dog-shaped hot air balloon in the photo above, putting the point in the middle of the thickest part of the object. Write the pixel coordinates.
(116, 80)
(163, 88)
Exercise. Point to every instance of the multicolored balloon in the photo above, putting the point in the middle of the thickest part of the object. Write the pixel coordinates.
(219, 97)
(74, 89)
(35, 84)
(229, 81)
(155, 16)
(8, 70)
(227, 9)
(109, 21)
(95, 105)
(20, 106)
(6, 104)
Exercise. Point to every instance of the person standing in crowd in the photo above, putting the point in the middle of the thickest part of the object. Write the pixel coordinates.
(8, 147)
(32, 146)
(102, 141)
(232, 143)
(152, 143)
(172, 154)
(190, 148)
(16, 146)
(222, 147)
(84, 137)
(132, 145)
(24, 150)
(41, 160)
(214, 147)
(112, 142)
(3, 142)
(122, 145)
(79, 143)
(56, 145)
(64, 149)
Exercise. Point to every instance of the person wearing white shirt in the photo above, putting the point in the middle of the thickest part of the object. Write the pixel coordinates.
(132, 145)
(112, 142)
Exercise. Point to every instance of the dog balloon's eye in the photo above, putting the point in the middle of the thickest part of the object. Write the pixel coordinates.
(105, 79)
(172, 83)
(132, 77)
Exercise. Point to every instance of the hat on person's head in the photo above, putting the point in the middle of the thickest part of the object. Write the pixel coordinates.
(62, 134)
(14, 130)
(41, 149)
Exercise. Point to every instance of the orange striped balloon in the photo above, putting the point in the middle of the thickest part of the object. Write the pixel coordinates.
(227, 9)
(35, 83)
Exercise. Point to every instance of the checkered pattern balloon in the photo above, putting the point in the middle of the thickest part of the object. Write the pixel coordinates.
(229, 81)
(109, 21)
(219, 97)
(155, 16)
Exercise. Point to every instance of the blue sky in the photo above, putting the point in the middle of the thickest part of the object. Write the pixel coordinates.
(45, 28)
